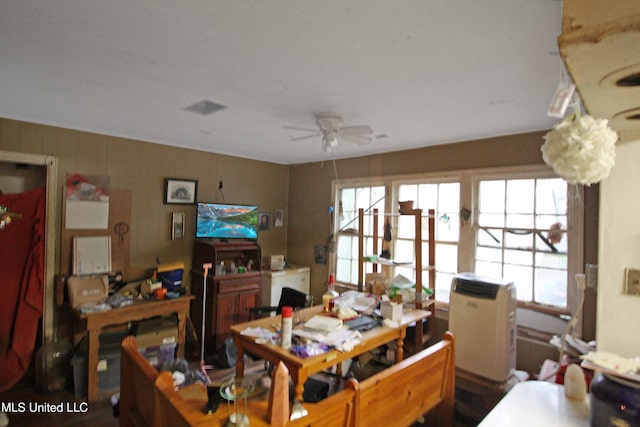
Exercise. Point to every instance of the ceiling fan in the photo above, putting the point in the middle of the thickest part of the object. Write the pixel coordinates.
(330, 127)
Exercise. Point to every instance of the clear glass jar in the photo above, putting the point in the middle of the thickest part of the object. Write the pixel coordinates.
(53, 365)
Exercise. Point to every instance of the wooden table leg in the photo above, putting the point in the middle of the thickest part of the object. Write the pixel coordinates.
(93, 348)
(239, 358)
(182, 324)
(400, 345)
(299, 378)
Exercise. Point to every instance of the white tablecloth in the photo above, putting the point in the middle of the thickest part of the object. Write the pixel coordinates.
(538, 403)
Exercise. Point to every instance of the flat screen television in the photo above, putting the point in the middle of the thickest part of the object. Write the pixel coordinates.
(221, 221)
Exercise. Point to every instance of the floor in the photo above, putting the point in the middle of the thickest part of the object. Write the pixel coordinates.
(98, 414)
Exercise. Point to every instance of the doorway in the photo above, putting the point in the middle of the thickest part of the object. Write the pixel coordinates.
(21, 172)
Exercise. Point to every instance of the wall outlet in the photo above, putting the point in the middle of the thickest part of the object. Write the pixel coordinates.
(632, 281)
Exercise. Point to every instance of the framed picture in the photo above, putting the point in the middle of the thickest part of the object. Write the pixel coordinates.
(278, 218)
(177, 225)
(263, 223)
(180, 191)
(320, 253)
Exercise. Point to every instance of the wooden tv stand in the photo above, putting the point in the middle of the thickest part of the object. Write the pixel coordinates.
(228, 295)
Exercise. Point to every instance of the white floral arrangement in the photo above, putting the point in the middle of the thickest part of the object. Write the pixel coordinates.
(581, 149)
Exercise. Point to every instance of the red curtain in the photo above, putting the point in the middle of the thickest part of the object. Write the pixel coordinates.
(22, 248)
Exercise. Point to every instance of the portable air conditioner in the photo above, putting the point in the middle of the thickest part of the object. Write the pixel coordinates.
(482, 317)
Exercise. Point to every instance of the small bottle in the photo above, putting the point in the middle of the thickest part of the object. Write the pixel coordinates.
(329, 295)
(287, 323)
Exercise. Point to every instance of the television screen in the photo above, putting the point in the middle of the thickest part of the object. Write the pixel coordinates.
(222, 221)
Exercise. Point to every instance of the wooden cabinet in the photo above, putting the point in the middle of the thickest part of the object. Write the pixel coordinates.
(422, 335)
(274, 281)
(226, 295)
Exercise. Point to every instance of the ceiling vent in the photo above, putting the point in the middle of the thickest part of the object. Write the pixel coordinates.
(205, 107)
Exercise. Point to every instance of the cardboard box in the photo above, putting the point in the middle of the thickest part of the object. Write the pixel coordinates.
(87, 289)
(391, 310)
(157, 332)
(276, 262)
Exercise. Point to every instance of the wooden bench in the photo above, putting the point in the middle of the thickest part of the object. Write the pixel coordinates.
(398, 396)
(137, 383)
(407, 390)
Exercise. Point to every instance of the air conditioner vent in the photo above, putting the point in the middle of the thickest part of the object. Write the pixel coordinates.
(476, 289)
(205, 107)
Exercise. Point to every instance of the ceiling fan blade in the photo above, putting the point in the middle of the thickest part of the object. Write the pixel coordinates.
(356, 139)
(298, 138)
(357, 130)
(301, 129)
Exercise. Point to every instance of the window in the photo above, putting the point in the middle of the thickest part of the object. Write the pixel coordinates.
(523, 224)
(350, 200)
(521, 235)
(444, 198)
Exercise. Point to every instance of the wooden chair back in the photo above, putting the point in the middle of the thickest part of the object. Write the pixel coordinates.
(402, 393)
(173, 411)
(137, 382)
(395, 397)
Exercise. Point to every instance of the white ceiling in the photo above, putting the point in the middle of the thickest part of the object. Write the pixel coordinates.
(420, 72)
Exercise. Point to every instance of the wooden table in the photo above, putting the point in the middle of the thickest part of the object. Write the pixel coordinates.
(94, 322)
(299, 368)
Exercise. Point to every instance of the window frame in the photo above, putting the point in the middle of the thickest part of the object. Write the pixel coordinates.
(574, 234)
(336, 187)
(469, 186)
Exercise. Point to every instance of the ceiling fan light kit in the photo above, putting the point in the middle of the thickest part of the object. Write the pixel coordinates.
(329, 141)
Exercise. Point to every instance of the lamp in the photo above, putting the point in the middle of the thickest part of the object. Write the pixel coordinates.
(330, 140)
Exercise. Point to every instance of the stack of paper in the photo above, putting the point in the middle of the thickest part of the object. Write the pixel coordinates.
(323, 323)
(613, 364)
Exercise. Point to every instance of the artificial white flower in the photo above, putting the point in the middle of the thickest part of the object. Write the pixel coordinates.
(581, 149)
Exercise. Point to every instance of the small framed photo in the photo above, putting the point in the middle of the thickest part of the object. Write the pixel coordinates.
(177, 226)
(278, 218)
(320, 253)
(180, 191)
(263, 219)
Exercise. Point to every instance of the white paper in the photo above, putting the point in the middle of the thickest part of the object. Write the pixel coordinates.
(91, 255)
(86, 215)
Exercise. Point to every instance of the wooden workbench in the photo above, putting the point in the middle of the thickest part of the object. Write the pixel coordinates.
(93, 323)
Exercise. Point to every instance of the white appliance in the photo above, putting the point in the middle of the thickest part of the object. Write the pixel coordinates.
(482, 317)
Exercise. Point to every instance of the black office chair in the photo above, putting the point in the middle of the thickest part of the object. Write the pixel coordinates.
(289, 297)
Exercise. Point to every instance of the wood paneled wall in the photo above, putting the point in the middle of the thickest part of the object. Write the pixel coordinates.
(303, 191)
(140, 167)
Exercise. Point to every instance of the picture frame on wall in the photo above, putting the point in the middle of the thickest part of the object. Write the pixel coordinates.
(278, 218)
(177, 225)
(263, 221)
(180, 191)
(320, 254)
